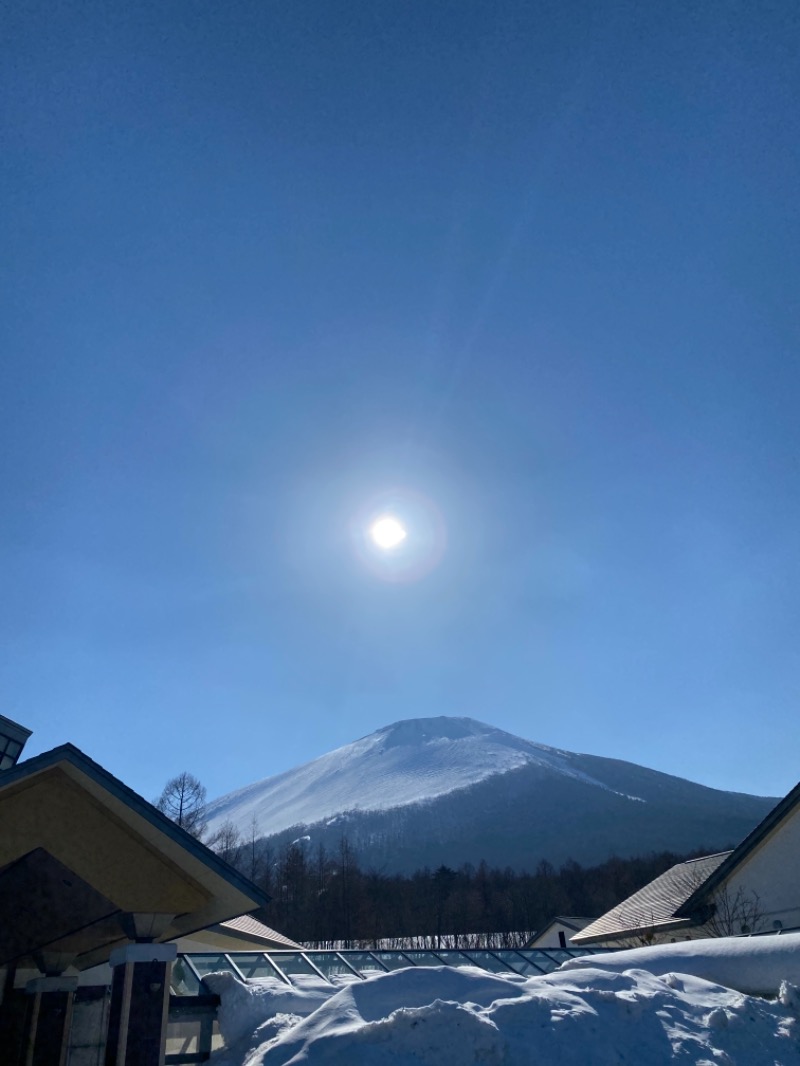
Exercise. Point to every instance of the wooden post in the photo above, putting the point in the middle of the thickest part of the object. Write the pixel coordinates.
(50, 1020)
(137, 1024)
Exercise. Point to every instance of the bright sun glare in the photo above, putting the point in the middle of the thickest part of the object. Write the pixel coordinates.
(387, 533)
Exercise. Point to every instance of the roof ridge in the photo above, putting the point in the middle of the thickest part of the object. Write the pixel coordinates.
(702, 858)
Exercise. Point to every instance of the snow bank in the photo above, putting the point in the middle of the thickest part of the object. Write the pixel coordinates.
(756, 965)
(465, 1017)
(245, 1006)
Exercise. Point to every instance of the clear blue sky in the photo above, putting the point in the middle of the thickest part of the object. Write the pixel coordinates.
(533, 265)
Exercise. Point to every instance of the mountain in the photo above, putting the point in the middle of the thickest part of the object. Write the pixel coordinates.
(428, 791)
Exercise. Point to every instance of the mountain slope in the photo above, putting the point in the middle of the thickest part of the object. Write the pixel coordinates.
(453, 790)
(407, 762)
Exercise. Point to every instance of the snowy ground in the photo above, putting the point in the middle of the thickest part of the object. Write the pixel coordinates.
(645, 1007)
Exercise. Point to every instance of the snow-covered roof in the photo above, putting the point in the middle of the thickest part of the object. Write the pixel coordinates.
(655, 906)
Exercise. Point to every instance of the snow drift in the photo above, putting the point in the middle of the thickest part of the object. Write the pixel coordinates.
(582, 1015)
(756, 965)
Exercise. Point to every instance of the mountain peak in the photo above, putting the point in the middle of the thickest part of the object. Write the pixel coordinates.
(423, 730)
(411, 761)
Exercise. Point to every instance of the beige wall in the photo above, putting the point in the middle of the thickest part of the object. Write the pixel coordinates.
(772, 871)
(51, 811)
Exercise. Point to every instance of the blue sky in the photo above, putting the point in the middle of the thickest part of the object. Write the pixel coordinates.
(526, 271)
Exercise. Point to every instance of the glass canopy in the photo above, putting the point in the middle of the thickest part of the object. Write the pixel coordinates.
(341, 967)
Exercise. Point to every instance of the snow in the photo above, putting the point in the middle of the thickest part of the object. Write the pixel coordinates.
(750, 964)
(408, 762)
(608, 1009)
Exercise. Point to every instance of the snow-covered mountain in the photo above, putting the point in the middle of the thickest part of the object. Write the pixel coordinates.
(432, 790)
(408, 762)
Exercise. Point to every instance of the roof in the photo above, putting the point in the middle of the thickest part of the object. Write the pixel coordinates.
(253, 929)
(13, 738)
(75, 830)
(742, 852)
(14, 729)
(655, 906)
(573, 923)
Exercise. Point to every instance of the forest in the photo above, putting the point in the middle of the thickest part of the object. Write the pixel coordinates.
(325, 898)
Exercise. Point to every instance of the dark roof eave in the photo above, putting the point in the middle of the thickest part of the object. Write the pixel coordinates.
(579, 940)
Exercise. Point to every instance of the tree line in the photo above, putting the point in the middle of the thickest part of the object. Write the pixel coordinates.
(324, 897)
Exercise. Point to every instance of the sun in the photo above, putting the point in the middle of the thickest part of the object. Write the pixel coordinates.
(387, 532)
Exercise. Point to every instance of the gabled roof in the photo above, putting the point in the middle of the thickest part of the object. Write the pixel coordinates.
(68, 753)
(74, 830)
(575, 924)
(571, 923)
(654, 907)
(740, 854)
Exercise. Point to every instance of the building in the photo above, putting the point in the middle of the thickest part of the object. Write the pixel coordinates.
(755, 888)
(557, 933)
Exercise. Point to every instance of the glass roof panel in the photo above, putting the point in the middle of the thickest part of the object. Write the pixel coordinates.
(366, 962)
(183, 982)
(423, 958)
(331, 963)
(336, 965)
(454, 958)
(558, 955)
(210, 964)
(542, 959)
(392, 960)
(253, 964)
(488, 961)
(292, 962)
(531, 969)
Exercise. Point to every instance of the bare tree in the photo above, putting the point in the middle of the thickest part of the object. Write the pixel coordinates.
(642, 930)
(226, 842)
(725, 911)
(252, 848)
(183, 799)
(734, 913)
